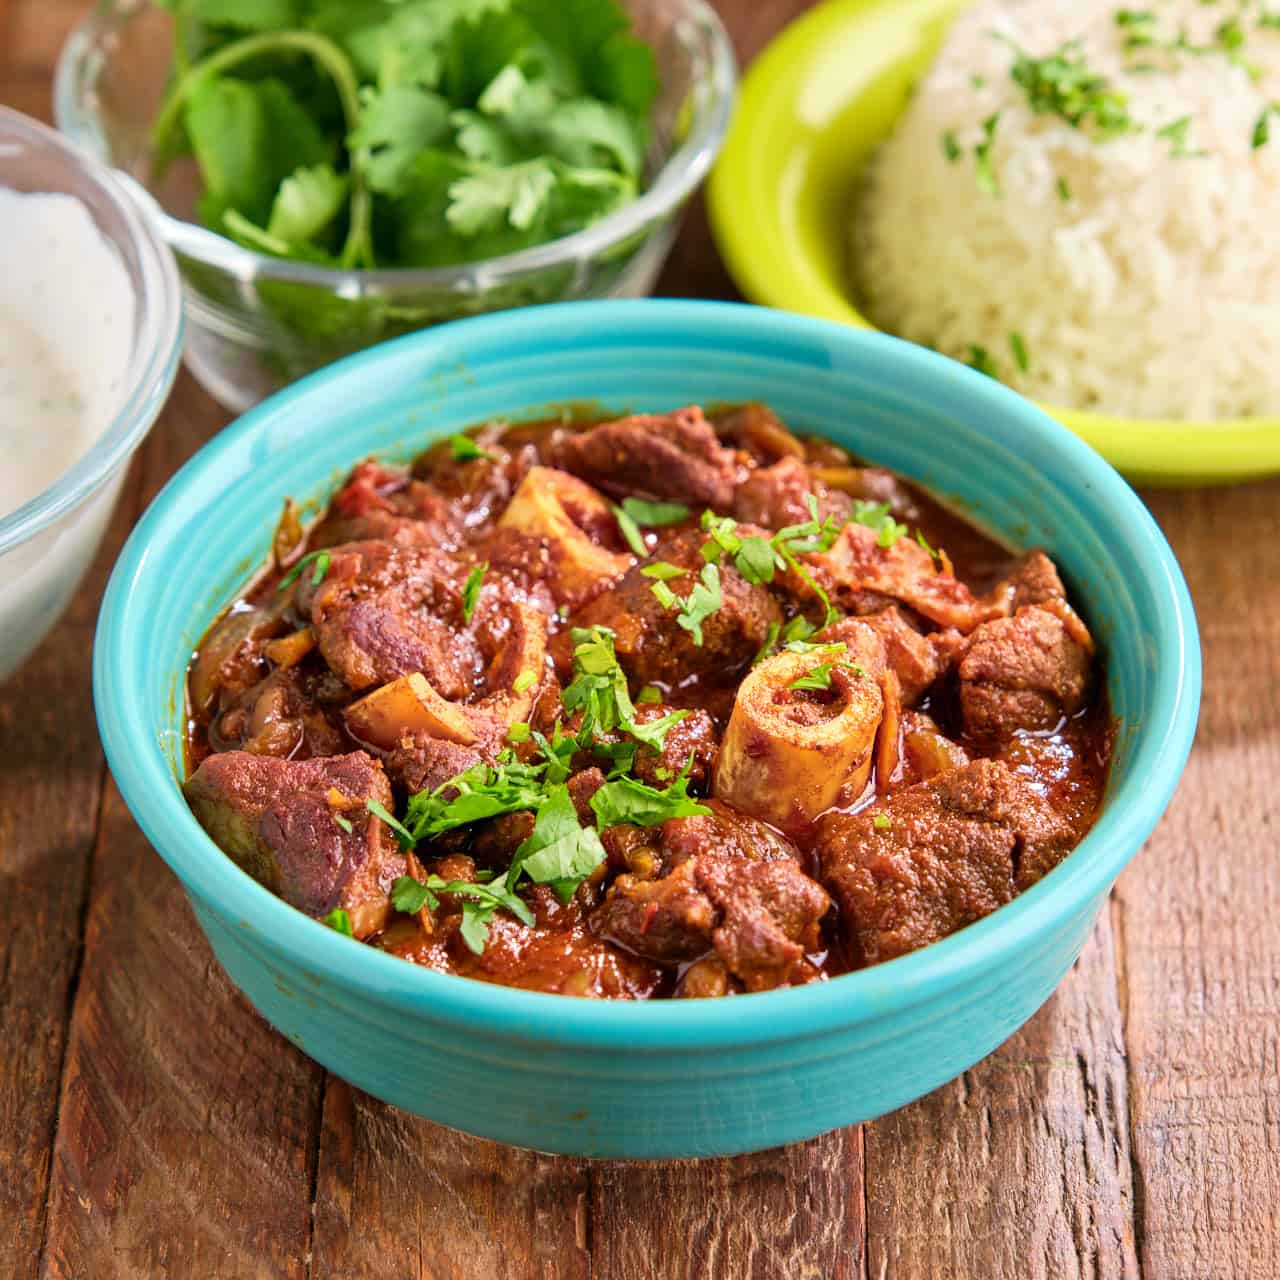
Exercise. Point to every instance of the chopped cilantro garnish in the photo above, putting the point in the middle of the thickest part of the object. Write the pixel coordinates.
(525, 680)
(951, 147)
(471, 590)
(882, 822)
(559, 851)
(818, 678)
(1061, 84)
(663, 570)
(624, 800)
(649, 694)
(983, 164)
(1176, 133)
(1018, 345)
(519, 732)
(980, 359)
(653, 515)
(704, 600)
(410, 895)
(1063, 188)
(339, 921)
(1262, 130)
(465, 449)
(664, 595)
(342, 822)
(875, 515)
(630, 531)
(924, 543)
(320, 559)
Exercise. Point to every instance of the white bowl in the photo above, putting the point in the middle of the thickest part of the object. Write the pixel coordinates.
(48, 542)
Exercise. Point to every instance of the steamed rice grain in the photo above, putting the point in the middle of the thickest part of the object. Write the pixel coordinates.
(1138, 275)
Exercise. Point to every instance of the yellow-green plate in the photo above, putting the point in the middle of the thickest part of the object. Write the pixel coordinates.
(812, 109)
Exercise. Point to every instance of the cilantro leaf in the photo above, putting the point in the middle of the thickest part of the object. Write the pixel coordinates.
(558, 849)
(654, 515)
(630, 532)
(471, 589)
(704, 600)
(465, 449)
(489, 196)
(339, 921)
(624, 800)
(663, 570)
(396, 124)
(308, 201)
(818, 678)
(410, 895)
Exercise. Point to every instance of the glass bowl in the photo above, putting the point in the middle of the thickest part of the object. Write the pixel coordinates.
(48, 542)
(256, 323)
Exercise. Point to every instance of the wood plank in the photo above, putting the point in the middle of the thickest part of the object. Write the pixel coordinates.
(397, 1197)
(796, 1212)
(50, 796)
(187, 1127)
(1021, 1167)
(1197, 921)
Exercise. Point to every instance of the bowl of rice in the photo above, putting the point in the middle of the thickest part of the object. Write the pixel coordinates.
(1076, 199)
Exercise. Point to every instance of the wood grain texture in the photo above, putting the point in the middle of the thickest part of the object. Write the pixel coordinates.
(1022, 1166)
(794, 1212)
(1198, 921)
(187, 1127)
(397, 1198)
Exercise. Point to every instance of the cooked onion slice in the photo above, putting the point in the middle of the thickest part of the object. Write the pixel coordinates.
(554, 505)
(788, 755)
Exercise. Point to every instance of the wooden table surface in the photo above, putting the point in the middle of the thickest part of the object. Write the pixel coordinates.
(152, 1125)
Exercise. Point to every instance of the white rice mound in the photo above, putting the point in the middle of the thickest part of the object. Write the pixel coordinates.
(1154, 289)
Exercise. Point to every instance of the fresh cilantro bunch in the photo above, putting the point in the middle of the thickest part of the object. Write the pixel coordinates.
(406, 133)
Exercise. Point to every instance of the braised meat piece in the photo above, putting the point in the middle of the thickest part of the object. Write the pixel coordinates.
(1023, 672)
(1034, 579)
(760, 918)
(937, 856)
(383, 611)
(885, 640)
(286, 823)
(778, 496)
(420, 762)
(904, 571)
(691, 739)
(651, 645)
(293, 712)
(382, 502)
(673, 457)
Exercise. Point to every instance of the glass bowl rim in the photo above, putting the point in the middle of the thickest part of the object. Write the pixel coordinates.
(683, 169)
(153, 361)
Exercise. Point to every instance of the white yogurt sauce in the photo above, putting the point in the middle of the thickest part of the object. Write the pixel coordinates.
(66, 329)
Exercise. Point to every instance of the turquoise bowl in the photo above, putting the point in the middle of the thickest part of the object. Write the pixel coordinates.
(670, 1078)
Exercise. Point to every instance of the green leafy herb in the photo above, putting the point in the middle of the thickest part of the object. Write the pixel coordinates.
(465, 449)
(924, 543)
(654, 515)
(980, 359)
(951, 147)
(1262, 130)
(599, 691)
(663, 570)
(665, 596)
(804, 646)
(704, 600)
(1175, 132)
(1062, 85)
(340, 922)
(1230, 35)
(343, 823)
(818, 678)
(1018, 345)
(649, 694)
(405, 133)
(525, 680)
(1063, 188)
(319, 559)
(876, 515)
(559, 851)
(630, 532)
(519, 732)
(471, 590)
(625, 800)
(882, 822)
(770, 643)
(984, 165)
(410, 895)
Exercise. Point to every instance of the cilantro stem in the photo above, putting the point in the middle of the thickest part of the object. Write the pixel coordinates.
(358, 249)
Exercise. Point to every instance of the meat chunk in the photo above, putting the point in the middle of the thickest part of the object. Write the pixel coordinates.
(759, 918)
(1023, 672)
(653, 648)
(777, 496)
(673, 457)
(905, 572)
(1033, 580)
(293, 713)
(937, 856)
(692, 739)
(420, 762)
(384, 611)
(725, 830)
(382, 502)
(885, 640)
(285, 823)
